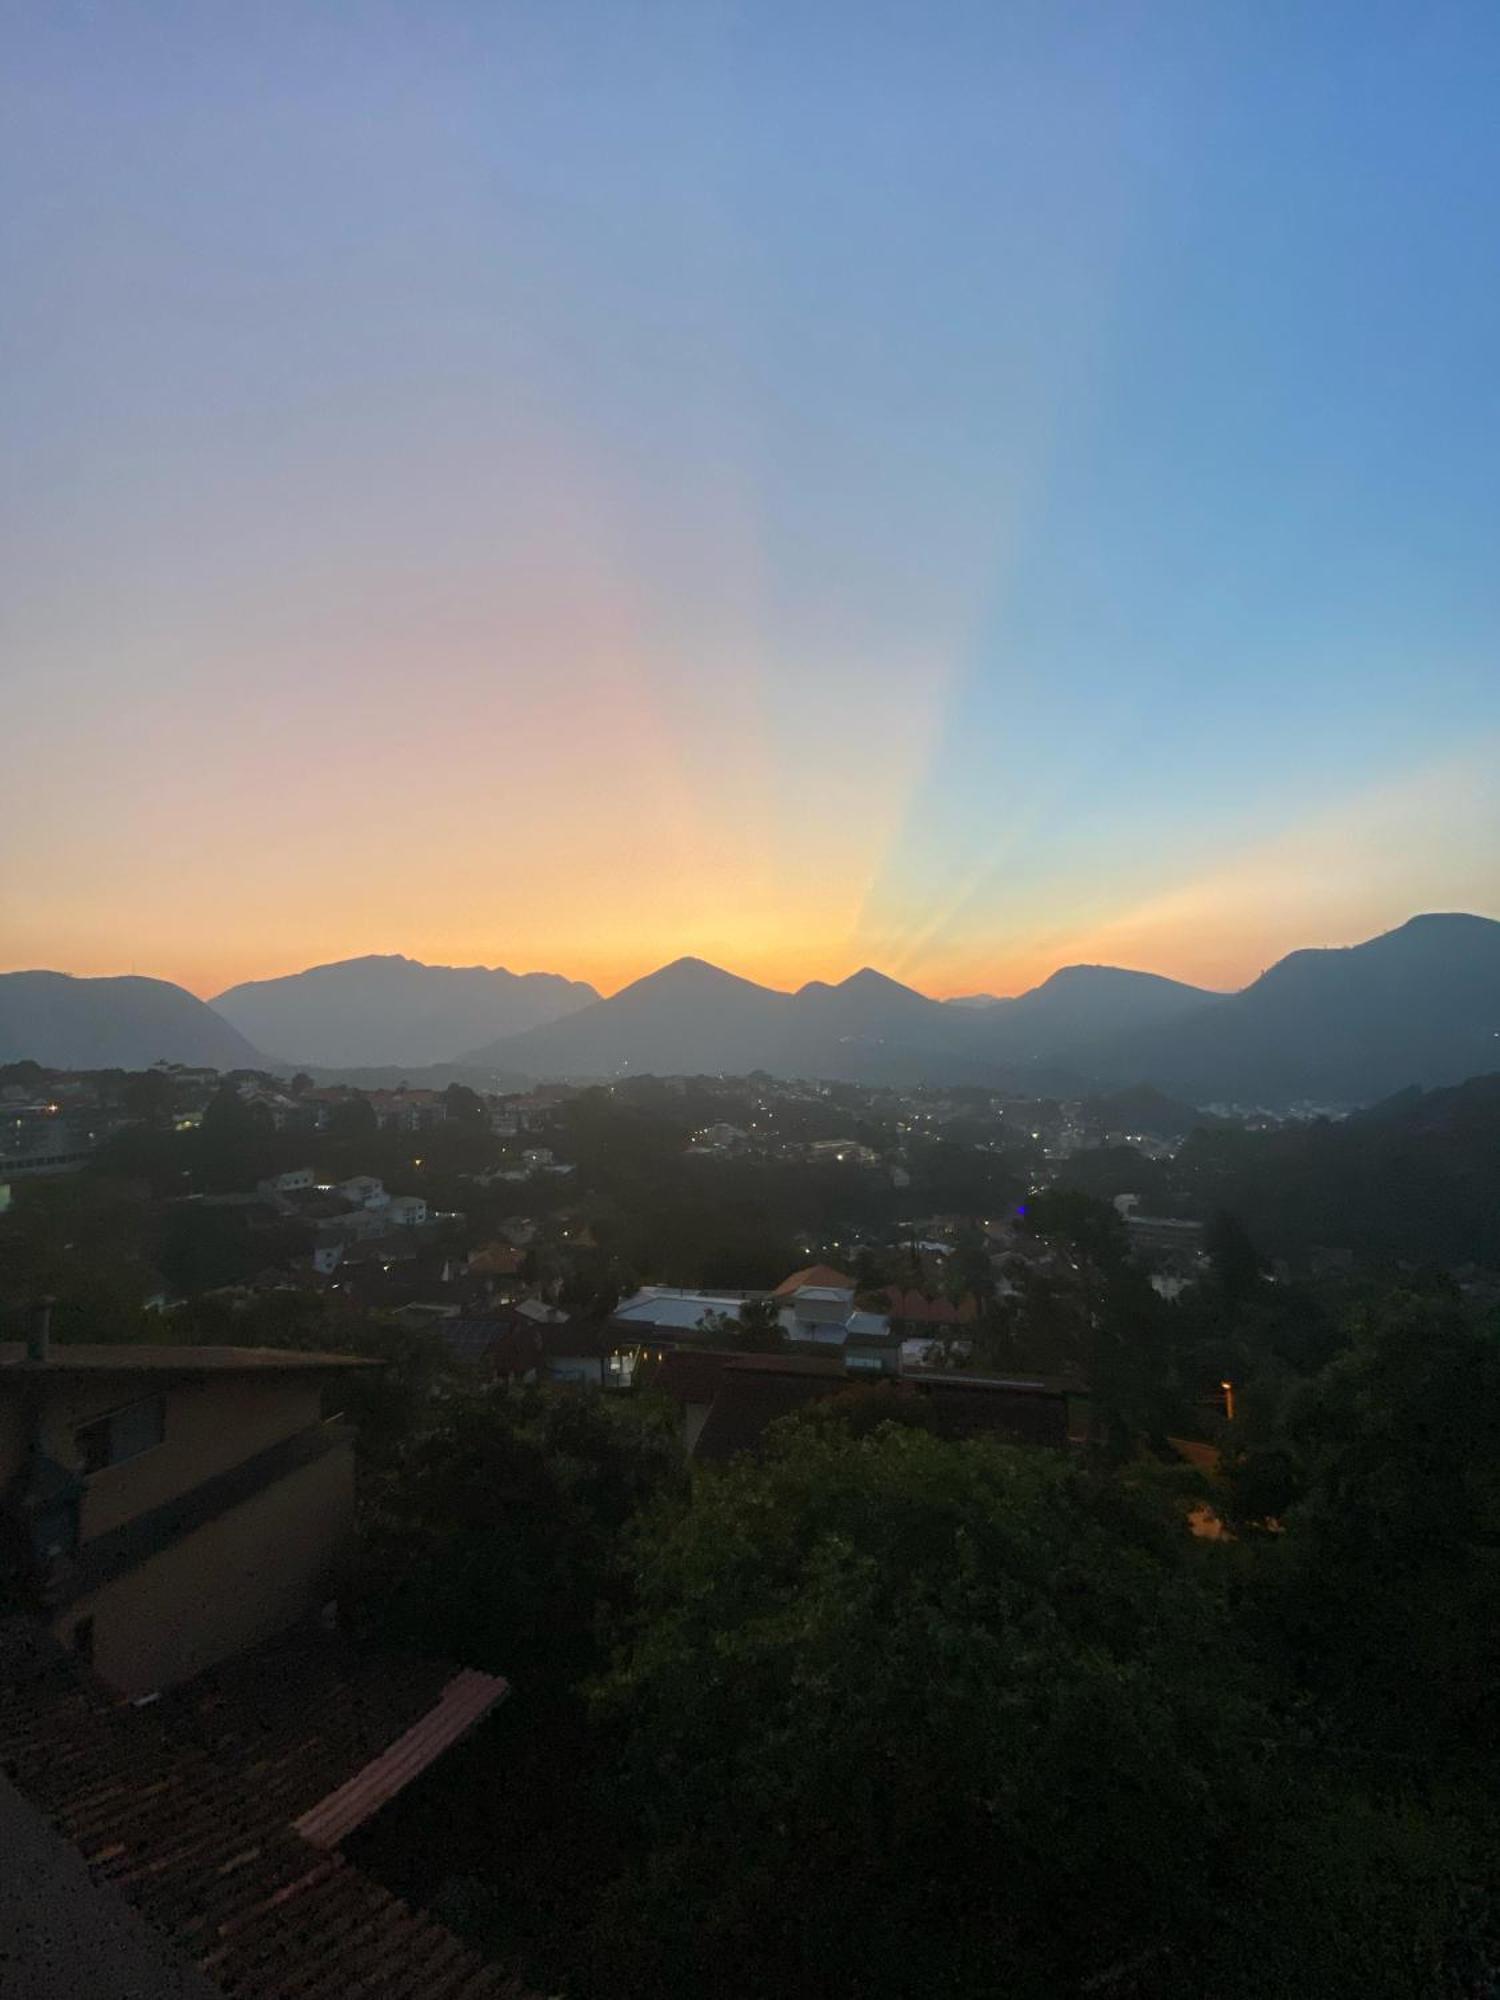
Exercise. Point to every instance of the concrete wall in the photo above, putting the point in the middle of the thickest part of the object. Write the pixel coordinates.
(252, 1572)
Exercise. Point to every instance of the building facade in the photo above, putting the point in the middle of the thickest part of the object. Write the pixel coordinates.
(166, 1507)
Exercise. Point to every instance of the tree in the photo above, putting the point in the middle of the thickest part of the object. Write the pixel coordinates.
(493, 1535)
(147, 1095)
(352, 1118)
(1090, 1226)
(899, 1715)
(758, 1329)
(462, 1105)
(969, 1272)
(1380, 1591)
(237, 1142)
(904, 1715)
(1235, 1262)
(200, 1248)
(1093, 1315)
(83, 1239)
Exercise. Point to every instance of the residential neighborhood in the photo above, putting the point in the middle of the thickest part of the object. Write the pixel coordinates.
(345, 1431)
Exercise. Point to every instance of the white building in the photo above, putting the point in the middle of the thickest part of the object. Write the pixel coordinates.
(406, 1211)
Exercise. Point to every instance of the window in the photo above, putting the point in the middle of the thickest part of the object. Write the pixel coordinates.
(122, 1434)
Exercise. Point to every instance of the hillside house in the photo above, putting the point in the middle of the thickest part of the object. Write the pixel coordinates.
(363, 1191)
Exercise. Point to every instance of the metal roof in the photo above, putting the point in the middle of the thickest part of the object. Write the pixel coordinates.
(466, 1700)
(681, 1311)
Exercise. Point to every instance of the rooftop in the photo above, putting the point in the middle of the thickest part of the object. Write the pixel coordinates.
(133, 1357)
(815, 1274)
(655, 1306)
(187, 1807)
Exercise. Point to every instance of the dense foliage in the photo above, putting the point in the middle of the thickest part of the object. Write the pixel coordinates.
(879, 1713)
(888, 1689)
(494, 1531)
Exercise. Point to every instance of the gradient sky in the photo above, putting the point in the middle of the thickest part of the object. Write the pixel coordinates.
(963, 488)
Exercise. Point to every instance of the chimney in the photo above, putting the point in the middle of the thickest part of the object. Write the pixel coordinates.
(39, 1332)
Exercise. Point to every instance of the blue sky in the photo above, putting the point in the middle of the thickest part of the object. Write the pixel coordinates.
(960, 487)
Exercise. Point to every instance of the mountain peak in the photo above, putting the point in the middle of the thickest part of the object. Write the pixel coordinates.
(868, 980)
(1445, 923)
(867, 987)
(688, 971)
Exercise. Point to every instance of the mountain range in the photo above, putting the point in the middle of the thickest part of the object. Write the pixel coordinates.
(693, 1017)
(1417, 1006)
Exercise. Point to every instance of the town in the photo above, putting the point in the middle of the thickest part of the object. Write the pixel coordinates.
(640, 1216)
(419, 1412)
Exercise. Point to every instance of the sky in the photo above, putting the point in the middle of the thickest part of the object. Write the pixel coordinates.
(964, 489)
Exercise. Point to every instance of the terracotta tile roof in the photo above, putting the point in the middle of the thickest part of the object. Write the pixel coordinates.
(496, 1260)
(815, 1274)
(199, 1838)
(302, 1713)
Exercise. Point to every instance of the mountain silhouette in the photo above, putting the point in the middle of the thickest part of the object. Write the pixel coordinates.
(1419, 1005)
(119, 1023)
(691, 1017)
(394, 1010)
(1077, 1005)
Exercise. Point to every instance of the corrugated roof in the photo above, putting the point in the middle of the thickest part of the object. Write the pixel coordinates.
(680, 1311)
(466, 1700)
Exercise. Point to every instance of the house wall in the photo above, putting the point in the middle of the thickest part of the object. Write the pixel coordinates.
(242, 1577)
(212, 1424)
